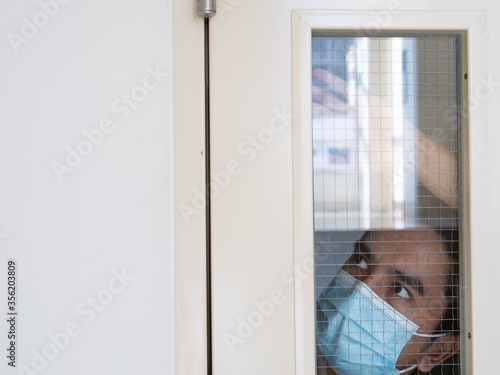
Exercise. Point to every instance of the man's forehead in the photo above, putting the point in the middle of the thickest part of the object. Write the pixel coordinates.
(405, 240)
(407, 248)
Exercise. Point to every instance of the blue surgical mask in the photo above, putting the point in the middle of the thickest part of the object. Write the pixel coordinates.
(359, 333)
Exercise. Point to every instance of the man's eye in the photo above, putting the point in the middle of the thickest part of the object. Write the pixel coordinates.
(401, 291)
(362, 264)
(358, 266)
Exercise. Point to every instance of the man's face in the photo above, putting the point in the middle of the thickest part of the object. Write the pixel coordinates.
(409, 270)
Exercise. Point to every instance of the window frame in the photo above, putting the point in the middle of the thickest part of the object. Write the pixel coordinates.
(471, 25)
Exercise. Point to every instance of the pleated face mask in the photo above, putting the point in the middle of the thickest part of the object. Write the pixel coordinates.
(358, 332)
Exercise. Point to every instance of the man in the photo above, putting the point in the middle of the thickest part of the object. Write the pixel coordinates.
(393, 306)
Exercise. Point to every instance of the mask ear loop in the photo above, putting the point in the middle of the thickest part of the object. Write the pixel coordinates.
(428, 335)
(407, 369)
(421, 335)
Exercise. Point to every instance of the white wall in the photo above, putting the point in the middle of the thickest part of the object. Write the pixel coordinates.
(113, 210)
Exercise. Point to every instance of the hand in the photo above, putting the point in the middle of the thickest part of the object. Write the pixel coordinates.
(436, 166)
(330, 99)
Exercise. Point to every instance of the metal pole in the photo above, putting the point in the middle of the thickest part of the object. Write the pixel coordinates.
(208, 210)
(207, 9)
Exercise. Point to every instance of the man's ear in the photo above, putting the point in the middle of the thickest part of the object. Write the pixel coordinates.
(440, 350)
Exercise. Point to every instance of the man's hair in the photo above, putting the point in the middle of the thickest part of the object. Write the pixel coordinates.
(450, 321)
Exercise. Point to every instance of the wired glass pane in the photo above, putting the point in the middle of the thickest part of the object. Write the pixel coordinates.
(386, 203)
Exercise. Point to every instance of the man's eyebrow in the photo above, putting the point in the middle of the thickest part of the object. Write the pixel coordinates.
(362, 248)
(410, 280)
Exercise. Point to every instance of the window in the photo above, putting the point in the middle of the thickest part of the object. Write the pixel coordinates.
(386, 167)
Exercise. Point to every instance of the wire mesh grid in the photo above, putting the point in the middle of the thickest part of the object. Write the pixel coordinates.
(386, 198)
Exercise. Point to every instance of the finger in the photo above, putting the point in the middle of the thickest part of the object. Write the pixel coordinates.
(328, 99)
(334, 82)
(320, 111)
